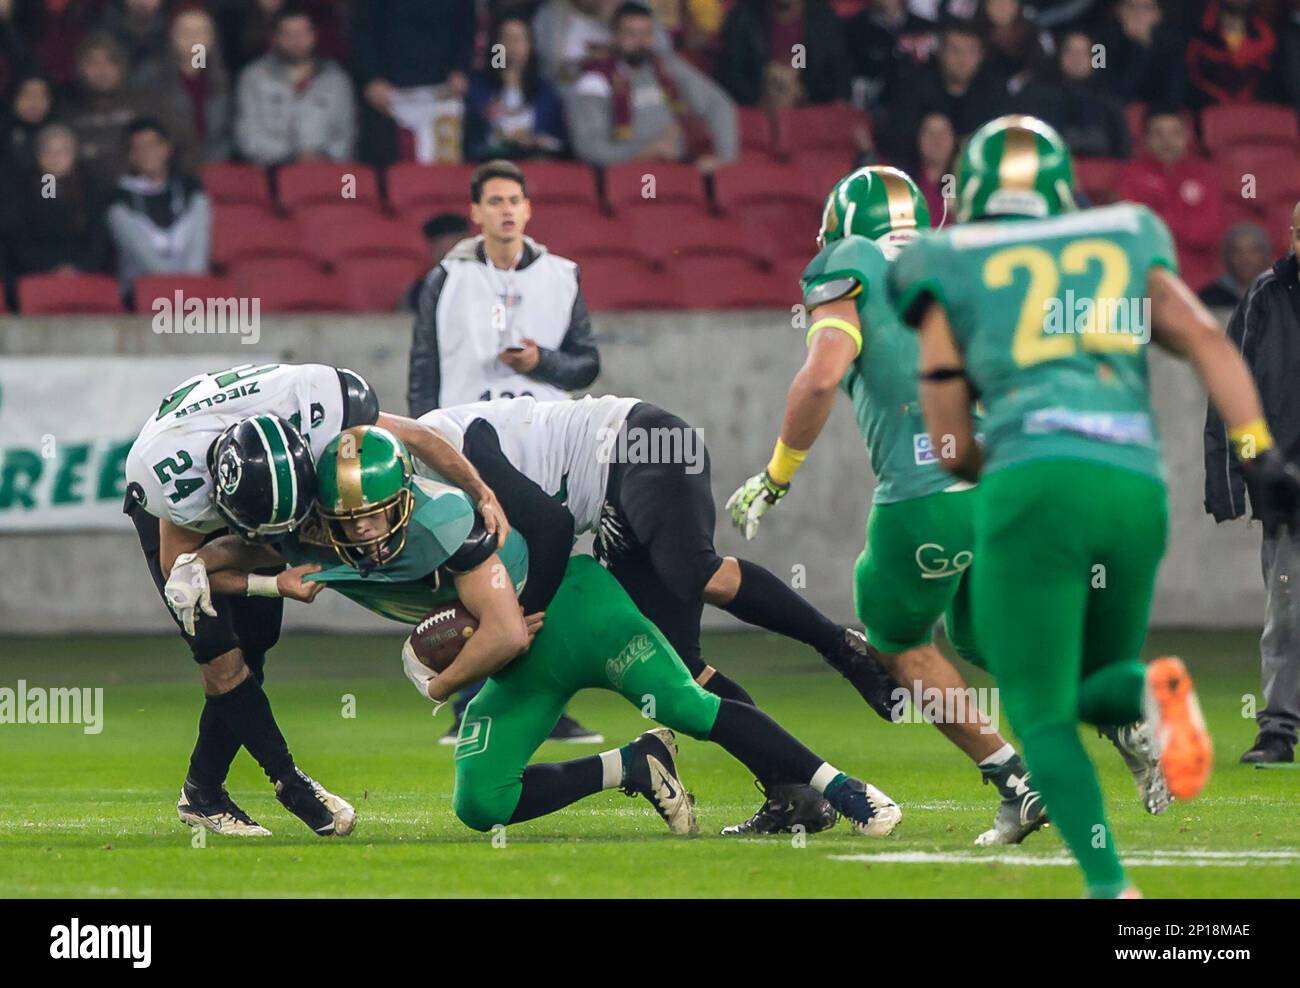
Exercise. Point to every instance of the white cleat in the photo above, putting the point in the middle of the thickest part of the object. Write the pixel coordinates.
(218, 814)
(1137, 746)
(870, 812)
(326, 814)
(652, 773)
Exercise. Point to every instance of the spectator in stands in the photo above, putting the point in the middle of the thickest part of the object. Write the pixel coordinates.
(1054, 15)
(1230, 57)
(54, 221)
(957, 84)
(1182, 188)
(639, 106)
(885, 41)
(246, 28)
(1246, 255)
(193, 89)
(1014, 47)
(1144, 56)
(160, 217)
(931, 164)
(511, 111)
(412, 59)
(569, 33)
(1265, 325)
(140, 27)
(53, 31)
(771, 48)
(1288, 46)
(16, 60)
(293, 106)
(694, 28)
(441, 233)
(102, 108)
(1070, 97)
(30, 107)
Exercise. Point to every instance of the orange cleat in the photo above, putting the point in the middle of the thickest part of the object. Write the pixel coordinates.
(1186, 752)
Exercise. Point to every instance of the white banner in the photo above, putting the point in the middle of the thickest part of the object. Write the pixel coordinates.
(66, 425)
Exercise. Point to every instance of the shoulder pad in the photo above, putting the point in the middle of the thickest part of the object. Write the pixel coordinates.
(360, 403)
(479, 544)
(832, 290)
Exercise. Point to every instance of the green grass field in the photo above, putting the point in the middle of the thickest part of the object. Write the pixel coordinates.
(93, 815)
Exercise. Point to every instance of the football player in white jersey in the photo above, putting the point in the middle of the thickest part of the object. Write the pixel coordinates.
(220, 448)
(638, 477)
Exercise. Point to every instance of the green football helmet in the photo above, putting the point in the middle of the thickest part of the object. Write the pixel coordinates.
(877, 202)
(1015, 166)
(363, 495)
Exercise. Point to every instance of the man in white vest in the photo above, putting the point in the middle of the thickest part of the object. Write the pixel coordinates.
(501, 316)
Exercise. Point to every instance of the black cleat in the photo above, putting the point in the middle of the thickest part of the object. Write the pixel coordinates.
(1270, 749)
(787, 806)
(215, 810)
(326, 814)
(858, 662)
(651, 771)
(568, 730)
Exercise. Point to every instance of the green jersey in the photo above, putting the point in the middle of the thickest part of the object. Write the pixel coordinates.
(1052, 316)
(412, 583)
(881, 381)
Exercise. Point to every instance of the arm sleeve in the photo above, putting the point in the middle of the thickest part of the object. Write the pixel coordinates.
(545, 524)
(577, 362)
(1225, 487)
(425, 374)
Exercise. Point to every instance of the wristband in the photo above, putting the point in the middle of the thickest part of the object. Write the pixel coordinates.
(785, 463)
(834, 322)
(1251, 439)
(262, 586)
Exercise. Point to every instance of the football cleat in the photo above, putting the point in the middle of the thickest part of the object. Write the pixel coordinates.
(651, 771)
(1137, 746)
(1016, 819)
(326, 814)
(787, 806)
(870, 811)
(1182, 741)
(569, 731)
(858, 662)
(216, 811)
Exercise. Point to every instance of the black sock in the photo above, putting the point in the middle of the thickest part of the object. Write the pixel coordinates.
(214, 750)
(765, 601)
(728, 689)
(246, 712)
(765, 747)
(553, 786)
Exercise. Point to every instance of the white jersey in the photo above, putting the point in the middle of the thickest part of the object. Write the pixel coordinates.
(564, 447)
(169, 459)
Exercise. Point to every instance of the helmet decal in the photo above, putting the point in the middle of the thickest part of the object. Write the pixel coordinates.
(230, 470)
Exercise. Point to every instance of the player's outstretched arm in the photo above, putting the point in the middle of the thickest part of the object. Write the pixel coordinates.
(946, 397)
(230, 561)
(489, 594)
(447, 460)
(834, 340)
(1182, 325)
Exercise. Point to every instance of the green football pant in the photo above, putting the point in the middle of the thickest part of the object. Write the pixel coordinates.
(914, 570)
(1067, 556)
(594, 638)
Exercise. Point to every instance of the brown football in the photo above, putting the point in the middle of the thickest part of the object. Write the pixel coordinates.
(442, 633)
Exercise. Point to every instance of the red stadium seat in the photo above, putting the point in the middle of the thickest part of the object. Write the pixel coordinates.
(1257, 123)
(624, 283)
(626, 186)
(555, 182)
(243, 232)
(727, 283)
(832, 125)
(378, 284)
(323, 181)
(1096, 176)
(742, 186)
(42, 294)
(230, 182)
(332, 234)
(288, 284)
(577, 233)
(425, 189)
(667, 230)
(755, 129)
(149, 287)
(782, 228)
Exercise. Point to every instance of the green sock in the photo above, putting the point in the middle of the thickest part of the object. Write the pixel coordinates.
(833, 786)
(1113, 694)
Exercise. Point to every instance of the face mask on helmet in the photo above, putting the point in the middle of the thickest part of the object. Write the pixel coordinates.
(372, 536)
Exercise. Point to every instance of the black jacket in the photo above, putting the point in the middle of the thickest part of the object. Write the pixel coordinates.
(1265, 326)
(574, 365)
(747, 48)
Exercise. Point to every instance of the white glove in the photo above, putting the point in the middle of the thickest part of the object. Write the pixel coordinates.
(752, 500)
(419, 674)
(186, 587)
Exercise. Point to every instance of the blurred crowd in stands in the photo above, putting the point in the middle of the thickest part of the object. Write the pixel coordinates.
(116, 110)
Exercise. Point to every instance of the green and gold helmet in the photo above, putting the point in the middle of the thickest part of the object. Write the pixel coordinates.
(363, 495)
(1014, 166)
(877, 202)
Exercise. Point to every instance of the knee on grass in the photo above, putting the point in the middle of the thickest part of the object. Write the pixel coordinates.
(483, 810)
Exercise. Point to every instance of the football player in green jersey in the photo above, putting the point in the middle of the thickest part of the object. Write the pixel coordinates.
(1041, 312)
(920, 539)
(400, 545)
